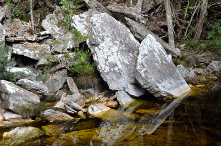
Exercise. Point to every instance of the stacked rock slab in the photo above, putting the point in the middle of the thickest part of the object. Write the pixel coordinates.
(156, 72)
(113, 47)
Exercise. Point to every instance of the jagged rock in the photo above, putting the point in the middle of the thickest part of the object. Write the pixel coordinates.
(189, 77)
(90, 92)
(95, 5)
(140, 32)
(74, 98)
(205, 57)
(57, 80)
(1, 118)
(81, 114)
(112, 46)
(123, 98)
(97, 110)
(149, 4)
(2, 36)
(30, 50)
(52, 24)
(36, 87)
(2, 14)
(9, 115)
(41, 63)
(156, 72)
(72, 86)
(15, 96)
(69, 109)
(199, 71)
(214, 67)
(135, 90)
(73, 105)
(7, 11)
(16, 27)
(52, 115)
(112, 104)
(132, 12)
(21, 73)
(18, 135)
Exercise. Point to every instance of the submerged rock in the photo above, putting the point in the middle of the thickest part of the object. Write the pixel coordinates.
(52, 115)
(123, 98)
(15, 96)
(156, 72)
(113, 47)
(20, 134)
(96, 110)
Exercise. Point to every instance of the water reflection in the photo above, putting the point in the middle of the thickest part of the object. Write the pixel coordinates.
(191, 120)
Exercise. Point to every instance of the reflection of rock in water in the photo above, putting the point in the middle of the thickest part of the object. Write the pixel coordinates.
(158, 119)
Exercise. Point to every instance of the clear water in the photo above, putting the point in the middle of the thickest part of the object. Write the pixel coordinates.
(191, 120)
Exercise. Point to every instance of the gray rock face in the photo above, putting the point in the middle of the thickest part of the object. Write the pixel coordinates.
(2, 36)
(52, 115)
(149, 4)
(15, 96)
(34, 86)
(16, 27)
(156, 72)
(205, 57)
(189, 77)
(21, 73)
(52, 24)
(112, 46)
(30, 50)
(135, 90)
(56, 81)
(214, 67)
(2, 14)
(140, 32)
(72, 86)
(123, 98)
(73, 105)
(95, 5)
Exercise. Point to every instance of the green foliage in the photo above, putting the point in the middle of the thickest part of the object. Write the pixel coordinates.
(27, 112)
(4, 63)
(52, 98)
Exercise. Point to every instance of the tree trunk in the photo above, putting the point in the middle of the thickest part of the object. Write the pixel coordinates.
(169, 23)
(201, 20)
(32, 21)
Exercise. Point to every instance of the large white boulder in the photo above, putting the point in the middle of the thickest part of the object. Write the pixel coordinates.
(156, 72)
(112, 46)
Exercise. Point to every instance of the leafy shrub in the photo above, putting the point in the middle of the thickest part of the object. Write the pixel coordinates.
(4, 63)
(27, 112)
(52, 98)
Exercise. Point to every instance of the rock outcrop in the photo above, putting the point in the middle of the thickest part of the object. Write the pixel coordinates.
(30, 50)
(112, 46)
(156, 72)
(52, 115)
(2, 36)
(56, 81)
(14, 97)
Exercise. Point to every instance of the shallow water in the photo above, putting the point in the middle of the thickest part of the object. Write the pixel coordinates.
(191, 120)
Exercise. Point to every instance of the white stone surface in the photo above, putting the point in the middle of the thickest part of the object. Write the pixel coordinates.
(113, 47)
(156, 72)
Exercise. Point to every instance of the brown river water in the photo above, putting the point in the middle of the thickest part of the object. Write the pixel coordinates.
(193, 119)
